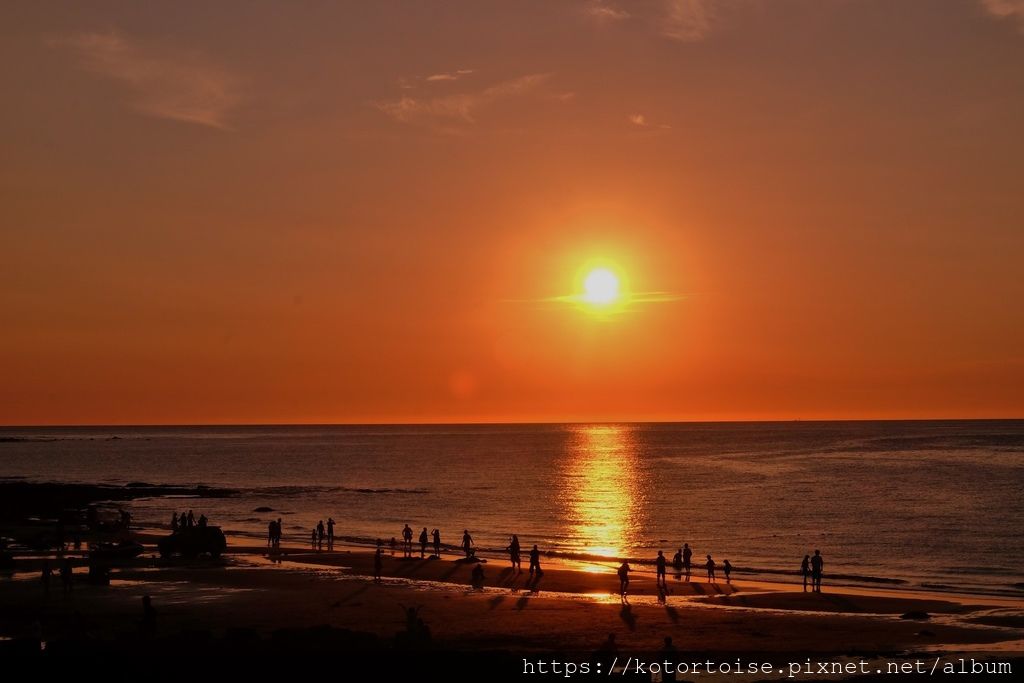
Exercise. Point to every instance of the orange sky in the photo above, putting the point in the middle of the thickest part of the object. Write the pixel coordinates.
(256, 212)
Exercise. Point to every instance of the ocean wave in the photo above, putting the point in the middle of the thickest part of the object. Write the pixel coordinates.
(277, 491)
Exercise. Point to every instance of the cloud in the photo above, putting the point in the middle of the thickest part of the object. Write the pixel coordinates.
(460, 107)
(1006, 9)
(603, 12)
(178, 87)
(686, 21)
(638, 120)
(448, 76)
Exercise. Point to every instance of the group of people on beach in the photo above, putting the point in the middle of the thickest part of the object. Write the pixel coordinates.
(812, 567)
(187, 521)
(321, 533)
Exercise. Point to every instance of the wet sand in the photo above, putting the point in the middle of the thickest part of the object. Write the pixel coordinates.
(568, 609)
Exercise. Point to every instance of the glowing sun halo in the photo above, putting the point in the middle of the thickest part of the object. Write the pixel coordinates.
(601, 287)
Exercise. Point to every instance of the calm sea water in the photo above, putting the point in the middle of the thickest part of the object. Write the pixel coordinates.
(926, 502)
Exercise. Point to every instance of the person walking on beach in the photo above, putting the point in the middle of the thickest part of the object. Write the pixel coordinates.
(271, 528)
(312, 539)
(710, 564)
(423, 543)
(320, 534)
(659, 565)
(67, 576)
(436, 533)
(623, 580)
(330, 533)
(535, 571)
(46, 576)
(817, 566)
(174, 522)
(727, 568)
(378, 561)
(477, 577)
(190, 521)
(687, 555)
(677, 562)
(467, 544)
(805, 570)
(514, 553)
(407, 541)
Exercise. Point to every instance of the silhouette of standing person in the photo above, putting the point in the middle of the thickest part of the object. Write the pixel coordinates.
(202, 521)
(669, 655)
(687, 555)
(659, 564)
(436, 533)
(467, 543)
(623, 580)
(535, 562)
(817, 567)
(710, 564)
(174, 522)
(46, 576)
(677, 562)
(727, 568)
(312, 539)
(190, 521)
(805, 570)
(320, 534)
(378, 561)
(67, 576)
(407, 540)
(514, 553)
(271, 528)
(423, 543)
(330, 533)
(277, 533)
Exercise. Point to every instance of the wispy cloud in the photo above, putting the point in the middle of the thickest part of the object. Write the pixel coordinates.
(1006, 9)
(687, 21)
(461, 106)
(449, 75)
(605, 12)
(641, 121)
(180, 87)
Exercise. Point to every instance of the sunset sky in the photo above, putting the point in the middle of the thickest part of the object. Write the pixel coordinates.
(241, 212)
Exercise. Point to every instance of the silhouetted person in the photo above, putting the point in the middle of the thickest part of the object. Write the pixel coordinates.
(677, 562)
(623, 580)
(182, 521)
(514, 552)
(423, 543)
(659, 565)
(668, 652)
(277, 534)
(378, 561)
(710, 564)
(270, 533)
(148, 616)
(407, 541)
(174, 522)
(436, 533)
(817, 567)
(190, 520)
(727, 568)
(202, 521)
(478, 576)
(467, 543)
(330, 533)
(45, 577)
(805, 570)
(67, 576)
(535, 562)
(320, 534)
(312, 539)
(687, 555)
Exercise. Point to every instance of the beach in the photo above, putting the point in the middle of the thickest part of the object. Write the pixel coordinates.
(297, 598)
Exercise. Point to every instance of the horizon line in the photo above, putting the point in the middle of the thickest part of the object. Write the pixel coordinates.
(510, 423)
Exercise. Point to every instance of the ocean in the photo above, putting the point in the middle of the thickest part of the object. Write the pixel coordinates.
(924, 504)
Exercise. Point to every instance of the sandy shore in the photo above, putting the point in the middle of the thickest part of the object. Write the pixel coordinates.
(568, 609)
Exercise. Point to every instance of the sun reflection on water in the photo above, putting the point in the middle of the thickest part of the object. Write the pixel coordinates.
(602, 489)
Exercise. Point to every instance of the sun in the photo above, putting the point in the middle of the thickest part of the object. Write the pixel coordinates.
(601, 287)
